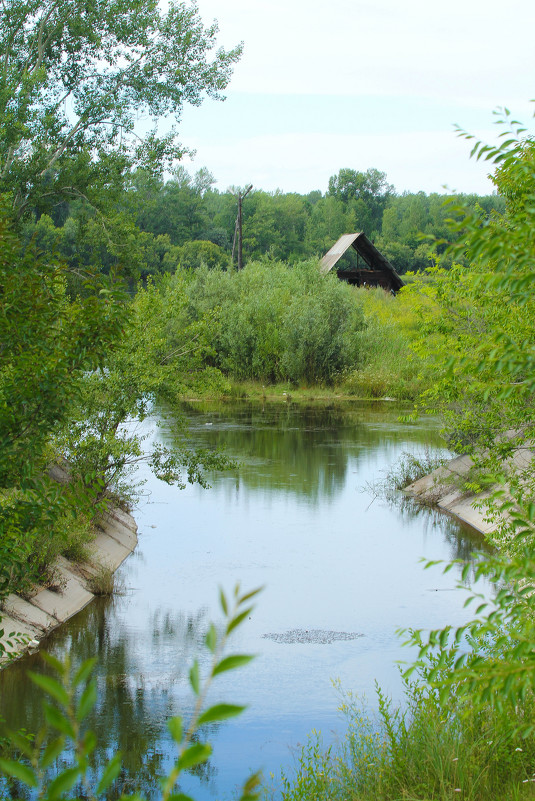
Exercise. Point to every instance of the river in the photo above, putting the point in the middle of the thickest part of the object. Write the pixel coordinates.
(295, 518)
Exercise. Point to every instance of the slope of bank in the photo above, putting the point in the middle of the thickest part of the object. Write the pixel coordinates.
(33, 618)
(443, 488)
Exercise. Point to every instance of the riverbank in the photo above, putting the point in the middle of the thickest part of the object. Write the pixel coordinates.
(27, 621)
(444, 488)
(288, 393)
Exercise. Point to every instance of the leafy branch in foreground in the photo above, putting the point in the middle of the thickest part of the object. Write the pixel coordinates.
(72, 695)
(486, 384)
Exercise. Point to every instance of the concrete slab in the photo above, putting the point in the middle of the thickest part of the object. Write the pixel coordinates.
(124, 534)
(23, 610)
(437, 487)
(107, 551)
(64, 604)
(464, 510)
(123, 517)
(46, 610)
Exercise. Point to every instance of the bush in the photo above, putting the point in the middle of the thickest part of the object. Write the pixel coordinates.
(280, 323)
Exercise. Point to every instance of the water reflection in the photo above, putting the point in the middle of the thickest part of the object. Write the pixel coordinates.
(133, 700)
(294, 449)
(291, 518)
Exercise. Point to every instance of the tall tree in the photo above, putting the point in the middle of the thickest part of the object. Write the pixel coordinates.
(75, 77)
(367, 192)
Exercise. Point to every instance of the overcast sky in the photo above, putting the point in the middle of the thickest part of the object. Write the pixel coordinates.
(352, 83)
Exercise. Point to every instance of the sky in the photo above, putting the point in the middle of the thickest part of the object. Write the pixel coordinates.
(359, 84)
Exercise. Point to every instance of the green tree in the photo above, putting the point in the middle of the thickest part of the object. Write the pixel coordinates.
(276, 227)
(47, 344)
(483, 345)
(194, 254)
(76, 76)
(366, 192)
(328, 220)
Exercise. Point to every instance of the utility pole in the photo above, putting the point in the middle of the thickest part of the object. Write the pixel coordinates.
(238, 231)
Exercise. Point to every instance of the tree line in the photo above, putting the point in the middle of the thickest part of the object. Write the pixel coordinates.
(158, 224)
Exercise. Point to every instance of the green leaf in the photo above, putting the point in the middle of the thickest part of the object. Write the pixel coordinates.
(111, 771)
(223, 602)
(87, 701)
(211, 638)
(196, 754)
(56, 719)
(19, 771)
(22, 743)
(179, 797)
(176, 728)
(88, 743)
(235, 622)
(194, 677)
(220, 712)
(84, 671)
(249, 595)
(50, 686)
(63, 783)
(231, 662)
(252, 783)
(51, 752)
(58, 666)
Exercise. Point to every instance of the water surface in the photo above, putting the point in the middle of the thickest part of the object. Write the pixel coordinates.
(294, 519)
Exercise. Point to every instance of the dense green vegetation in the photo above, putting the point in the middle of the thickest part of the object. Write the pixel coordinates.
(468, 722)
(159, 224)
(84, 199)
(77, 357)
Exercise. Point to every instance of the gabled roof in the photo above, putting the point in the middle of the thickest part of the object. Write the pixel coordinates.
(375, 260)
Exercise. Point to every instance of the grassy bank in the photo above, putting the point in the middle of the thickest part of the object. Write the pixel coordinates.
(428, 750)
(285, 392)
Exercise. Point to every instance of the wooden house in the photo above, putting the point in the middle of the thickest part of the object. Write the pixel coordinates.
(367, 268)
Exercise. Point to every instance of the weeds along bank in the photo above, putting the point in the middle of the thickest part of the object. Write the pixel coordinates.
(467, 727)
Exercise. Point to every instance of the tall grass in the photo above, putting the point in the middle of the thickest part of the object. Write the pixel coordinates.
(388, 367)
(427, 750)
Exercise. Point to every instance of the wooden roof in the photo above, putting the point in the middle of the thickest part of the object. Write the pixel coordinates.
(375, 261)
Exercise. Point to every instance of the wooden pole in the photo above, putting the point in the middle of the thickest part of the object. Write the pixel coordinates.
(240, 226)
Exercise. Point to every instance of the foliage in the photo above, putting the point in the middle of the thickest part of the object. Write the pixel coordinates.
(158, 358)
(388, 365)
(430, 748)
(279, 322)
(76, 76)
(57, 761)
(143, 230)
(489, 382)
(48, 344)
(194, 254)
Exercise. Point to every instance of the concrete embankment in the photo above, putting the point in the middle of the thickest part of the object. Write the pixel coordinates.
(36, 616)
(442, 488)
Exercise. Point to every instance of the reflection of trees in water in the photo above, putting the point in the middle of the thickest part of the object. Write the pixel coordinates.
(132, 705)
(142, 679)
(301, 450)
(463, 540)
